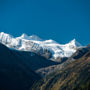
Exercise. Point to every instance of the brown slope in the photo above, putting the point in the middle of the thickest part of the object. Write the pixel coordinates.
(76, 76)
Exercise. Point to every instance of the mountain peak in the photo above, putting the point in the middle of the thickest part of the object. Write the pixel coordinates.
(5, 38)
(34, 37)
(4, 34)
(50, 41)
(24, 36)
(74, 42)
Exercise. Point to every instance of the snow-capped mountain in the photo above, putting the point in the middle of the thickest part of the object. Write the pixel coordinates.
(36, 44)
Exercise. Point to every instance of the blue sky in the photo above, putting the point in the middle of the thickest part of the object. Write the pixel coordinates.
(61, 20)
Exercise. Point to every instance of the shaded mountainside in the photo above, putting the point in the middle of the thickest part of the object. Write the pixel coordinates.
(33, 60)
(75, 76)
(15, 74)
(17, 68)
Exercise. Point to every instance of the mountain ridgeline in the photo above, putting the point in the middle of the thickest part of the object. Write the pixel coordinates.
(31, 63)
(47, 48)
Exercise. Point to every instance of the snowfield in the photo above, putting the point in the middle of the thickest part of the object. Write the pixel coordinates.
(36, 44)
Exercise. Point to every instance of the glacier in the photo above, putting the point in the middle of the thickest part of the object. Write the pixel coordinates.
(35, 44)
